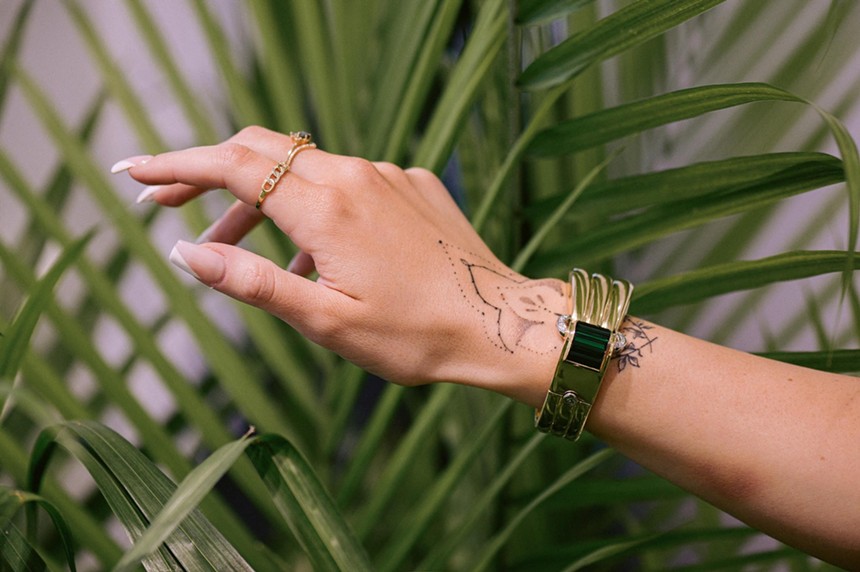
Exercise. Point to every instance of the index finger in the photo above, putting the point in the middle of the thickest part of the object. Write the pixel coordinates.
(228, 165)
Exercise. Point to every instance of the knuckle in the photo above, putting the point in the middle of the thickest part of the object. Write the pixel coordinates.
(257, 284)
(360, 169)
(232, 154)
(327, 327)
(392, 173)
(252, 132)
(420, 175)
(419, 172)
(331, 324)
(387, 168)
(333, 204)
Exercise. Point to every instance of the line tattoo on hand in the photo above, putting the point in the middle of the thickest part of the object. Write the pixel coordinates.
(638, 341)
(513, 309)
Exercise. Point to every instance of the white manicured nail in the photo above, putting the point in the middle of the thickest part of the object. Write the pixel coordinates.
(177, 259)
(127, 164)
(208, 266)
(147, 195)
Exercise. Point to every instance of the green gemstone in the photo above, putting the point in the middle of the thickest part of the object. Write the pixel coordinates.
(589, 345)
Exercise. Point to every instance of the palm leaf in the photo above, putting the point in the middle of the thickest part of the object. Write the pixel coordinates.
(568, 477)
(307, 506)
(10, 48)
(11, 501)
(628, 27)
(194, 487)
(671, 217)
(137, 491)
(735, 276)
(532, 12)
(632, 118)
(17, 337)
(202, 125)
(17, 554)
(602, 199)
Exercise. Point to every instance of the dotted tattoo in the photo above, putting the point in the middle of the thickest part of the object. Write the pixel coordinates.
(510, 312)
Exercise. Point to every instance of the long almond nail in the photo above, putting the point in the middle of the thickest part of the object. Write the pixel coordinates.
(127, 164)
(147, 195)
(202, 263)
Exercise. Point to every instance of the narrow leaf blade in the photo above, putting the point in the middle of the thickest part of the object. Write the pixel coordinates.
(184, 499)
(532, 12)
(705, 283)
(631, 118)
(137, 491)
(11, 501)
(18, 336)
(307, 506)
(628, 27)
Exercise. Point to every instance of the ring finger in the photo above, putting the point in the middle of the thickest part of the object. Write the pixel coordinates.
(232, 226)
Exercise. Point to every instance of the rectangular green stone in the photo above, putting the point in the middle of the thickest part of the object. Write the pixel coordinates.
(588, 346)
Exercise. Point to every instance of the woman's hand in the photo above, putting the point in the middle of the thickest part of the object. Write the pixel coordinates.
(406, 288)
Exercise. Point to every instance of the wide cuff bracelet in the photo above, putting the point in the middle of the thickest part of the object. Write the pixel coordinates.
(598, 307)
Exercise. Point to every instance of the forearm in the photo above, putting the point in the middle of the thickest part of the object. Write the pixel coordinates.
(775, 445)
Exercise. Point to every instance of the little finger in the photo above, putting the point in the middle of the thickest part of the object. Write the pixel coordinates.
(168, 195)
(301, 264)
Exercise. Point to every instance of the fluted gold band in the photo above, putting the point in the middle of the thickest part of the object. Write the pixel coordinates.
(598, 307)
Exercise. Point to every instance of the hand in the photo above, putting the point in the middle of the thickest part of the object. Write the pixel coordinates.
(406, 288)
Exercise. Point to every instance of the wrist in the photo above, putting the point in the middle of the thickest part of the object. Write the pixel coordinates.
(497, 330)
(524, 370)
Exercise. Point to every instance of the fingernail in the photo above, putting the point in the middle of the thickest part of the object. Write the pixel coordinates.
(127, 164)
(202, 263)
(147, 194)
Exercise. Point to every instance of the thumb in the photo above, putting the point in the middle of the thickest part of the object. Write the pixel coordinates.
(255, 280)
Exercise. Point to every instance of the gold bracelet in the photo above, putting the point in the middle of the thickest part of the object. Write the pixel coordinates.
(598, 307)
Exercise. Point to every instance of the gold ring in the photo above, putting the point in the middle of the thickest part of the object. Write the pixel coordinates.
(301, 140)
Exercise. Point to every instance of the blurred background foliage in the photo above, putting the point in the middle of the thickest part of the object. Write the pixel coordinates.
(620, 135)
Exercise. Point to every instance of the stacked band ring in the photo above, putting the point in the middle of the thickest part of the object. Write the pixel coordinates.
(301, 140)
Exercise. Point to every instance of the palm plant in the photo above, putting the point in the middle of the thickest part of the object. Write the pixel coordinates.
(555, 123)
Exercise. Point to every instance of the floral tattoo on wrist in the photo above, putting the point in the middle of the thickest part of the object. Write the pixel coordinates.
(639, 344)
